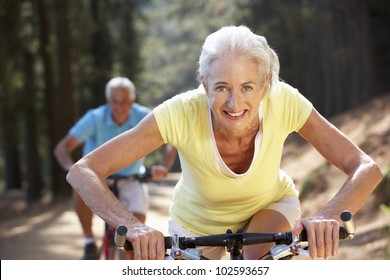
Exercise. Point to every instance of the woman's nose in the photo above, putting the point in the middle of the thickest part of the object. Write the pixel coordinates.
(234, 99)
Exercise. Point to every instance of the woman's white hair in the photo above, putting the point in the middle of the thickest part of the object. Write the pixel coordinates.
(120, 82)
(240, 40)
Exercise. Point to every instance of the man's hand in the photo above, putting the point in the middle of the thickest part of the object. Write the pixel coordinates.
(158, 172)
(148, 243)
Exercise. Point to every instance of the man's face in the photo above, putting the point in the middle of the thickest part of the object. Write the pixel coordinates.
(120, 104)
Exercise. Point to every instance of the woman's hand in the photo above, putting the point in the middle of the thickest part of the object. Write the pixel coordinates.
(148, 243)
(322, 235)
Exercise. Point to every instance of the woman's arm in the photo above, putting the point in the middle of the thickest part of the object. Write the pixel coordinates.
(87, 177)
(363, 176)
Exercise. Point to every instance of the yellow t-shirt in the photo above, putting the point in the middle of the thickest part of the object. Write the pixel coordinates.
(206, 201)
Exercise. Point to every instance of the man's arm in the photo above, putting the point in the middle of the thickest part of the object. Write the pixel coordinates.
(160, 171)
(64, 149)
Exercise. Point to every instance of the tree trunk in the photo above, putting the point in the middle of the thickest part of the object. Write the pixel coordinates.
(57, 176)
(33, 170)
(65, 89)
(12, 167)
(9, 114)
(101, 52)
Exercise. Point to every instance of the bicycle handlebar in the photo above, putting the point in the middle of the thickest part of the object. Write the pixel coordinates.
(224, 240)
(144, 177)
(221, 240)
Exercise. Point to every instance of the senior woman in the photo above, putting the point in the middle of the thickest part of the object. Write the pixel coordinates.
(229, 133)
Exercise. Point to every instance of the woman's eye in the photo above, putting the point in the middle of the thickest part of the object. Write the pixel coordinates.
(221, 89)
(247, 88)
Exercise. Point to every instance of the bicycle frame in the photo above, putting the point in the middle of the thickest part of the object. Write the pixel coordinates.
(108, 245)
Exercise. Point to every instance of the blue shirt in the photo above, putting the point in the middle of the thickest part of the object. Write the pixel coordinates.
(97, 127)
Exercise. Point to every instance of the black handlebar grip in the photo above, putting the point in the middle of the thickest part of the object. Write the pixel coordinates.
(349, 225)
(303, 236)
(345, 216)
(120, 236)
(145, 177)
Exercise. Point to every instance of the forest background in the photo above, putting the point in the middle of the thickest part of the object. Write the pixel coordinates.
(56, 57)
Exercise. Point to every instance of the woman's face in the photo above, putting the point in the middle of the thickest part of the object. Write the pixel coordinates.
(235, 89)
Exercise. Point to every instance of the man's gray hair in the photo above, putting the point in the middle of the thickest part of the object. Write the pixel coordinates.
(120, 82)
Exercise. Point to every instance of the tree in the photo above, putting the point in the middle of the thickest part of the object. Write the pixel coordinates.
(10, 84)
(64, 90)
(101, 48)
(324, 48)
(33, 170)
(56, 176)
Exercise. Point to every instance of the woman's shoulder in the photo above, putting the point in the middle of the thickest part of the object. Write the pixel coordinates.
(286, 97)
(283, 95)
(282, 90)
(195, 98)
(193, 95)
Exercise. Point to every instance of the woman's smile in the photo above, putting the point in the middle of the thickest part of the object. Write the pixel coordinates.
(237, 115)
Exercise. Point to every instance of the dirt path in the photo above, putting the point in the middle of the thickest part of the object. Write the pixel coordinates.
(52, 232)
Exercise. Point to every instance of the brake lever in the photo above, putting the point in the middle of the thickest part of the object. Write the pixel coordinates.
(280, 251)
(186, 254)
(297, 247)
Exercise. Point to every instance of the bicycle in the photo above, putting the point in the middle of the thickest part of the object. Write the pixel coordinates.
(108, 250)
(287, 245)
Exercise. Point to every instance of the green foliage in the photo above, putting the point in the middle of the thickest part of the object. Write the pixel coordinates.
(382, 191)
(385, 209)
(382, 196)
(308, 184)
(171, 44)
